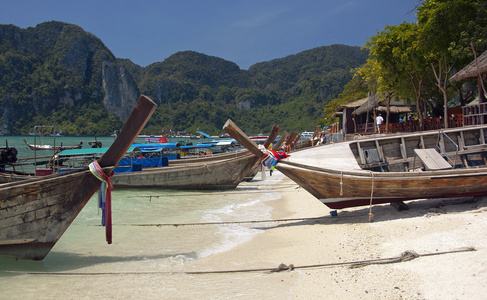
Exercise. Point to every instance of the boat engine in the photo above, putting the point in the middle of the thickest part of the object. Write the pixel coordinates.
(95, 144)
(7, 156)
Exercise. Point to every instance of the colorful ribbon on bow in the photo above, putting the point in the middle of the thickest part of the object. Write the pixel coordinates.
(104, 198)
(270, 158)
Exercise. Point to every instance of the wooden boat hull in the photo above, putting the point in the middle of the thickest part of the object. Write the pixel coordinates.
(207, 158)
(339, 190)
(227, 155)
(220, 174)
(388, 168)
(11, 177)
(383, 169)
(34, 213)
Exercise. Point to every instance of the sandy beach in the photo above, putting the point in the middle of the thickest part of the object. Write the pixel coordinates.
(343, 257)
(448, 237)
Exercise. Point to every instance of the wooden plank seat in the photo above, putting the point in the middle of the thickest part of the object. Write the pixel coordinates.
(431, 159)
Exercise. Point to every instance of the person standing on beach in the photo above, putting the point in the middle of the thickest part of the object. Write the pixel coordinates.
(379, 121)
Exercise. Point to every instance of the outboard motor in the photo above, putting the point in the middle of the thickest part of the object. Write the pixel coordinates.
(8, 156)
(95, 144)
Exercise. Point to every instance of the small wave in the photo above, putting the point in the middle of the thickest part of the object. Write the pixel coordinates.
(230, 237)
(244, 207)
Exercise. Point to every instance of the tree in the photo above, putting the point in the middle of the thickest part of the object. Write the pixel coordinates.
(475, 35)
(442, 27)
(402, 61)
(371, 73)
(353, 90)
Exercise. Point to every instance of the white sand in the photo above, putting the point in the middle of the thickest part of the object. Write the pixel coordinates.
(430, 226)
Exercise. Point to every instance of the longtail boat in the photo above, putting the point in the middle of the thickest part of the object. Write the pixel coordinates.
(52, 147)
(225, 171)
(447, 163)
(218, 172)
(154, 165)
(34, 213)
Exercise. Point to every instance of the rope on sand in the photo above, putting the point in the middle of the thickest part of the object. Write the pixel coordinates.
(219, 223)
(404, 257)
(234, 192)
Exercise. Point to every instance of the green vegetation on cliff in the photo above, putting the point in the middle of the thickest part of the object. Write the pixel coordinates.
(56, 74)
(194, 90)
(51, 74)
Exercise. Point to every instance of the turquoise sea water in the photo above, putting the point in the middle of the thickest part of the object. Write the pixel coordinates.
(25, 152)
(143, 239)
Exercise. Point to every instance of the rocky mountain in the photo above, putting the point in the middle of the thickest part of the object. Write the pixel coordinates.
(58, 74)
(57, 66)
(194, 90)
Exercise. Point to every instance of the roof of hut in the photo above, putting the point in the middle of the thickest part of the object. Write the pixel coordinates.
(367, 106)
(353, 104)
(471, 70)
(396, 106)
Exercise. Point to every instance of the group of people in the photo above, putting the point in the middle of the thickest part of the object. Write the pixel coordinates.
(288, 147)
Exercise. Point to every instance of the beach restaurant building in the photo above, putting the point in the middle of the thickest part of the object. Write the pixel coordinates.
(476, 113)
(358, 117)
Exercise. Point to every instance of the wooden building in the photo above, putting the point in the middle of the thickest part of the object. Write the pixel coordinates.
(344, 113)
(474, 114)
(364, 115)
(354, 119)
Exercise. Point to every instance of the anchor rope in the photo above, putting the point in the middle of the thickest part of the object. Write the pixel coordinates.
(295, 186)
(220, 223)
(403, 257)
(371, 215)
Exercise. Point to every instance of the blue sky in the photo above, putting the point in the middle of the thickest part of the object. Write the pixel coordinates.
(244, 32)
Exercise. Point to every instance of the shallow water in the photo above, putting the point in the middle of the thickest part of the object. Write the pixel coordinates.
(148, 258)
(145, 238)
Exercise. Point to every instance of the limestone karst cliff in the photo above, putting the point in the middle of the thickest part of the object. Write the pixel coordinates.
(57, 66)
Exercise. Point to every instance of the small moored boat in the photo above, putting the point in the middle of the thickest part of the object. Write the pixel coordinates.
(53, 147)
(220, 171)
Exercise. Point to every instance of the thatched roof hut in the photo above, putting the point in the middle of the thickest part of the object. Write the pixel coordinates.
(353, 104)
(349, 106)
(344, 112)
(396, 107)
(473, 69)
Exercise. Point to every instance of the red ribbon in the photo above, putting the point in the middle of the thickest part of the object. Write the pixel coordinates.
(107, 179)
